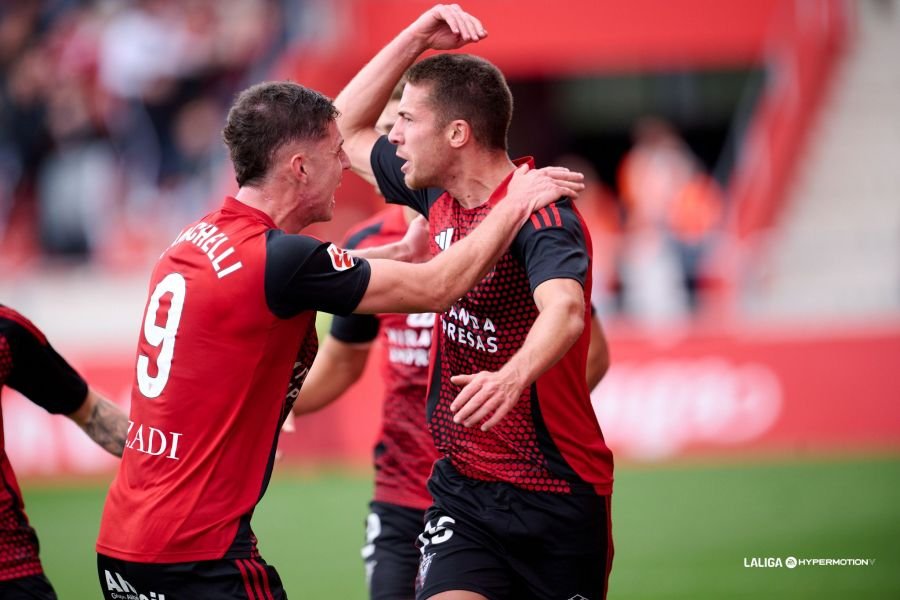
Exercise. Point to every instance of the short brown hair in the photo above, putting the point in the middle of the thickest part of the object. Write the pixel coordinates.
(397, 93)
(268, 115)
(470, 88)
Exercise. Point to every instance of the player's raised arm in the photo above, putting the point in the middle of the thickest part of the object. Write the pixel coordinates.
(442, 27)
(434, 285)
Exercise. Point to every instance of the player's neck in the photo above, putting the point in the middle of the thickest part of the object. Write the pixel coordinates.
(284, 213)
(480, 173)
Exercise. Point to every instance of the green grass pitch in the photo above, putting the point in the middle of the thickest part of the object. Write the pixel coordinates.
(681, 531)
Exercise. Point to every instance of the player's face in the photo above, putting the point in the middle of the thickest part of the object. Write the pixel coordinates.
(325, 166)
(418, 139)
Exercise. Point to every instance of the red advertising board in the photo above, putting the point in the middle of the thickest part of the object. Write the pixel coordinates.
(726, 394)
(760, 393)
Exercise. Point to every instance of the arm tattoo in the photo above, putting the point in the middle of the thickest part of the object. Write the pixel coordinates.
(107, 425)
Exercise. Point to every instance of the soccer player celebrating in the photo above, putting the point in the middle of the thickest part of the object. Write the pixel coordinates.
(521, 495)
(30, 365)
(404, 453)
(228, 337)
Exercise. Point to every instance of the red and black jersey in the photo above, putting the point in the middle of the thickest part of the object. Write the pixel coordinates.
(227, 338)
(29, 365)
(404, 452)
(551, 440)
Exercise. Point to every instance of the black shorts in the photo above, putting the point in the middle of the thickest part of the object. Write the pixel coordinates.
(390, 553)
(506, 543)
(242, 579)
(33, 587)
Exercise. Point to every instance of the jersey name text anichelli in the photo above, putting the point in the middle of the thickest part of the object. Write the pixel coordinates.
(209, 240)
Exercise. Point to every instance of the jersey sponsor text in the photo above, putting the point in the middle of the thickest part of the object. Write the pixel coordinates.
(152, 441)
(119, 589)
(410, 345)
(467, 329)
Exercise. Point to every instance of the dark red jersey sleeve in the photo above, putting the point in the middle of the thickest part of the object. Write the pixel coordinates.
(34, 369)
(553, 245)
(303, 273)
(386, 167)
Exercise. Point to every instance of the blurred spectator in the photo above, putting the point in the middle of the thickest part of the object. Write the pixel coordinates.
(602, 214)
(673, 210)
(111, 112)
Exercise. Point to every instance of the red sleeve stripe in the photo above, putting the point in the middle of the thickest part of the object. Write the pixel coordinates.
(557, 220)
(546, 218)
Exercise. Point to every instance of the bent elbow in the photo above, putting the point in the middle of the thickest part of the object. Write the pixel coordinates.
(574, 322)
(574, 328)
(437, 294)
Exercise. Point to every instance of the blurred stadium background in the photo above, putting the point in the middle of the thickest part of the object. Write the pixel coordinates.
(745, 207)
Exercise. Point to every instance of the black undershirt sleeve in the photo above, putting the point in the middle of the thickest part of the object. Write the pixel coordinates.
(303, 273)
(354, 328)
(38, 372)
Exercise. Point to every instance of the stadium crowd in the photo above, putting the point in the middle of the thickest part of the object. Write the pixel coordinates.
(110, 137)
(110, 115)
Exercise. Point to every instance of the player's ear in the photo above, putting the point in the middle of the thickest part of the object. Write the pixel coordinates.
(458, 133)
(298, 166)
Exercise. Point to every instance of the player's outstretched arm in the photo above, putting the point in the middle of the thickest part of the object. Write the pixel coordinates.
(338, 365)
(494, 393)
(103, 421)
(442, 27)
(434, 285)
(598, 354)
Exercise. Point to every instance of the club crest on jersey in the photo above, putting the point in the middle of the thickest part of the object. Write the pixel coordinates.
(341, 260)
(444, 238)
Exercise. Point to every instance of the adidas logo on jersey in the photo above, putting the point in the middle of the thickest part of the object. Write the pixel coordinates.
(444, 238)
